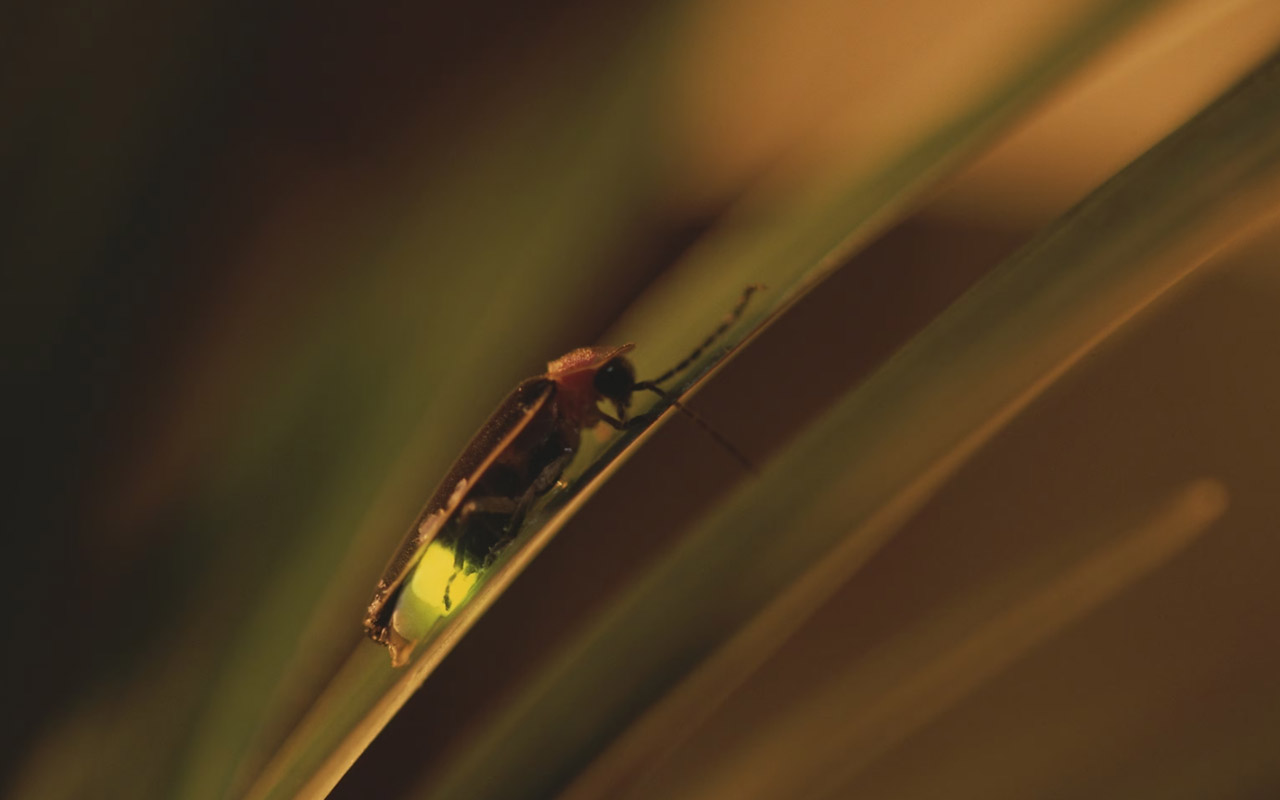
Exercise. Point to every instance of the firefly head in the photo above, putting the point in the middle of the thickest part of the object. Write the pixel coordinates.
(615, 380)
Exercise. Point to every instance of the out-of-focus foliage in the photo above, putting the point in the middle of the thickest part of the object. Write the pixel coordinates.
(770, 556)
(272, 265)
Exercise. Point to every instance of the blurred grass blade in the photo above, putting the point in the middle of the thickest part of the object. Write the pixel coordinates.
(846, 724)
(801, 242)
(844, 485)
(791, 233)
(367, 692)
(790, 252)
(1025, 623)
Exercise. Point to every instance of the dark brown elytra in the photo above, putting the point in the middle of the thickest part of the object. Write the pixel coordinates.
(517, 456)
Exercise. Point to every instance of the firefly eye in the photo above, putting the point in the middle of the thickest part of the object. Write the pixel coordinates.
(615, 380)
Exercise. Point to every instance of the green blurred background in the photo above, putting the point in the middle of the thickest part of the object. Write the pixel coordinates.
(269, 265)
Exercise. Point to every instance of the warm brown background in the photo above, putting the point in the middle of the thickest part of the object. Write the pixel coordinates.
(191, 181)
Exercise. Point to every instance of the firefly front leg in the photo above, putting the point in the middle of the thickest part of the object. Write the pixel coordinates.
(622, 425)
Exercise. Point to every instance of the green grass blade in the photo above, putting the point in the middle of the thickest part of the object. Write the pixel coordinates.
(791, 254)
(382, 296)
(774, 552)
(389, 296)
(803, 243)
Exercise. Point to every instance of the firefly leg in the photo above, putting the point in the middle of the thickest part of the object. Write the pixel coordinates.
(496, 505)
(513, 509)
(545, 480)
(503, 506)
(448, 603)
(486, 505)
(634, 422)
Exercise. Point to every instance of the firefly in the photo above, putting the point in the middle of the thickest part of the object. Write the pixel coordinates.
(517, 456)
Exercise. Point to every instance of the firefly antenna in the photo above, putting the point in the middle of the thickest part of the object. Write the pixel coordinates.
(710, 340)
(652, 385)
(702, 423)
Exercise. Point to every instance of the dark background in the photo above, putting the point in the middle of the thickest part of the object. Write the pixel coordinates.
(247, 244)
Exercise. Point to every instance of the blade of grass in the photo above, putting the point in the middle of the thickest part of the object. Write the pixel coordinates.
(839, 729)
(802, 244)
(259, 648)
(790, 239)
(335, 392)
(845, 485)
(539, 278)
